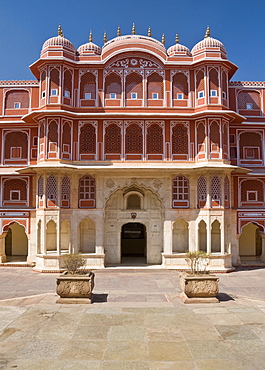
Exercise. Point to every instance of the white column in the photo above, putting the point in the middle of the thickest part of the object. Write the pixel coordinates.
(208, 232)
(168, 237)
(100, 235)
(2, 248)
(222, 232)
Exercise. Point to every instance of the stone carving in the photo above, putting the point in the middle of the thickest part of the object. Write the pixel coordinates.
(110, 183)
(157, 183)
(204, 288)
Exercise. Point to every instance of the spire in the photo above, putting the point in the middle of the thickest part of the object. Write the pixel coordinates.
(119, 31)
(133, 29)
(105, 37)
(207, 33)
(90, 37)
(163, 39)
(149, 32)
(60, 31)
(177, 38)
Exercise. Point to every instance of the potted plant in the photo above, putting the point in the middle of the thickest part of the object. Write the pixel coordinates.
(197, 284)
(76, 284)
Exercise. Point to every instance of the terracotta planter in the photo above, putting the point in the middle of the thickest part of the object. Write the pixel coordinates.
(199, 288)
(75, 288)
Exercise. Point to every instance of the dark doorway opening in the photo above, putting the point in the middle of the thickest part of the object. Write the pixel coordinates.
(133, 241)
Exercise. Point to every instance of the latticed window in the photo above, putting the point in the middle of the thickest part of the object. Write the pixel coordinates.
(154, 140)
(88, 85)
(54, 79)
(65, 191)
(16, 145)
(43, 81)
(14, 96)
(134, 85)
(215, 136)
(227, 192)
(113, 85)
(87, 139)
(248, 97)
(87, 192)
(67, 84)
(15, 189)
(180, 85)
(214, 81)
(179, 139)
(134, 139)
(113, 139)
(52, 188)
(40, 187)
(202, 191)
(133, 201)
(224, 84)
(155, 85)
(53, 136)
(216, 191)
(180, 192)
(251, 187)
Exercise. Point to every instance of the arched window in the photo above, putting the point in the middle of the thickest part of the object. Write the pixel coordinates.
(16, 146)
(54, 85)
(87, 192)
(15, 192)
(215, 138)
(134, 141)
(68, 86)
(180, 192)
(113, 86)
(180, 87)
(180, 149)
(87, 142)
(134, 87)
(200, 85)
(202, 191)
(40, 191)
(112, 141)
(224, 87)
(250, 146)
(42, 140)
(66, 141)
(65, 192)
(216, 191)
(154, 142)
(155, 86)
(87, 88)
(43, 84)
(51, 191)
(133, 201)
(201, 141)
(252, 193)
(53, 139)
(226, 192)
(213, 83)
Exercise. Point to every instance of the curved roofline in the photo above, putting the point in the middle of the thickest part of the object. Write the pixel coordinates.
(124, 37)
(129, 49)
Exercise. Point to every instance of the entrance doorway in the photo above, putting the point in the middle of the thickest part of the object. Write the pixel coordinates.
(250, 243)
(133, 242)
(16, 243)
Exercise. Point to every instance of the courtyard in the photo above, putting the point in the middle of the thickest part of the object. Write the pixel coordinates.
(136, 322)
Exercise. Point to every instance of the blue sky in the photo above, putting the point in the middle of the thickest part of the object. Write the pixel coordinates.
(25, 25)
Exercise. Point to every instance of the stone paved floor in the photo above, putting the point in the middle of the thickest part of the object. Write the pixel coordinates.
(136, 322)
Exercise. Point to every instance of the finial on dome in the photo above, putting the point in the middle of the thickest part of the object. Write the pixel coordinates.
(105, 37)
(90, 37)
(149, 32)
(60, 31)
(207, 33)
(177, 38)
(163, 39)
(133, 29)
(119, 31)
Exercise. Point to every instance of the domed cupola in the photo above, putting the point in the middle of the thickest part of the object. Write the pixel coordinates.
(59, 45)
(178, 49)
(209, 44)
(89, 48)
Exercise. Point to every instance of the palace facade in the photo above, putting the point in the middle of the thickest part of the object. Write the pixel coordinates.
(133, 151)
